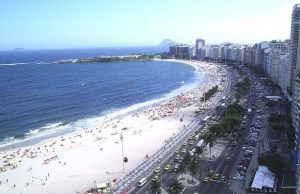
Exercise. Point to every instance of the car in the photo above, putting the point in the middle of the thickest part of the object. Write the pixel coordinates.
(238, 177)
(227, 159)
(184, 143)
(243, 148)
(254, 139)
(205, 180)
(177, 150)
(177, 157)
(242, 173)
(211, 172)
(190, 137)
(183, 151)
(155, 179)
(216, 176)
(246, 158)
(191, 142)
(168, 167)
(251, 148)
(157, 170)
(176, 167)
(222, 178)
(180, 160)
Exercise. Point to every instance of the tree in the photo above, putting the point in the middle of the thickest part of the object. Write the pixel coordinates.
(199, 151)
(182, 168)
(175, 187)
(271, 104)
(217, 129)
(209, 140)
(274, 117)
(278, 128)
(273, 161)
(193, 168)
(187, 158)
(155, 187)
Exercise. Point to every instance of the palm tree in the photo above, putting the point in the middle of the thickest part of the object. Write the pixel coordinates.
(182, 168)
(193, 168)
(187, 158)
(175, 187)
(209, 140)
(199, 151)
(155, 187)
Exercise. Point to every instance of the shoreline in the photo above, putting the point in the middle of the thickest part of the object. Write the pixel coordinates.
(34, 138)
(81, 157)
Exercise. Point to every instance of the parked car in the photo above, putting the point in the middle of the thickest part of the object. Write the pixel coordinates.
(176, 167)
(222, 178)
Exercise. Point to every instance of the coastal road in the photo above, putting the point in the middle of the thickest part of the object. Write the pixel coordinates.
(225, 168)
(168, 177)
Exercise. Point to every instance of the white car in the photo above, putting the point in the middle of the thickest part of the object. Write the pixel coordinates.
(238, 177)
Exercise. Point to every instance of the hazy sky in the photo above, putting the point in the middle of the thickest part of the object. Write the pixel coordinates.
(36, 24)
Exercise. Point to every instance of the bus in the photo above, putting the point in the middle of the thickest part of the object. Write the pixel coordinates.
(200, 143)
(141, 182)
(206, 119)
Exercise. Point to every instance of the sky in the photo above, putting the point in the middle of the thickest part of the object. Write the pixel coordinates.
(38, 24)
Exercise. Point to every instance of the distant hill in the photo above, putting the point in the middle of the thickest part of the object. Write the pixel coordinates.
(17, 49)
(167, 43)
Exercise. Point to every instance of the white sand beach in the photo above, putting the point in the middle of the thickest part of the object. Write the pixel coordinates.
(74, 162)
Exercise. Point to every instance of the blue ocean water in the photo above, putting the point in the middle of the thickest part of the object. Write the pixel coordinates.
(36, 97)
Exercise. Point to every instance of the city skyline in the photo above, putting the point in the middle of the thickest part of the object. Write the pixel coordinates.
(54, 25)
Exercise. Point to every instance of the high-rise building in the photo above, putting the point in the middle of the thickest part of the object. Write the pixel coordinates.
(296, 154)
(275, 65)
(274, 44)
(180, 51)
(285, 73)
(200, 43)
(294, 40)
(293, 49)
(295, 85)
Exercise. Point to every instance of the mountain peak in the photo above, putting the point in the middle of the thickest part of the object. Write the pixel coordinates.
(167, 42)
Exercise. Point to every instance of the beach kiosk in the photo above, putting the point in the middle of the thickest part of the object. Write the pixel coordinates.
(103, 187)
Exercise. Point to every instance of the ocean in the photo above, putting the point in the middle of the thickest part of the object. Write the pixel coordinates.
(38, 98)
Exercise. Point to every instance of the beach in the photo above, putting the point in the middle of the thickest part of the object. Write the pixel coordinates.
(76, 161)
